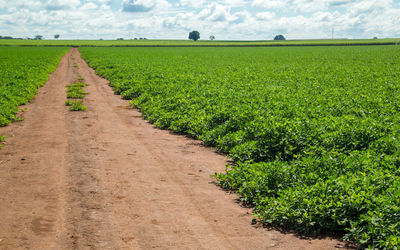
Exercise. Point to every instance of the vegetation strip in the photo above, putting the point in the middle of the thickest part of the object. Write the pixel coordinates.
(75, 91)
(76, 105)
(22, 72)
(314, 131)
(2, 139)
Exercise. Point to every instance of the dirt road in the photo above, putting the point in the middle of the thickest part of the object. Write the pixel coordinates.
(105, 178)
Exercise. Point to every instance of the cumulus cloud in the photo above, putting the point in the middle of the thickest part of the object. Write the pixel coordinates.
(369, 6)
(335, 3)
(240, 17)
(143, 5)
(61, 4)
(226, 19)
(215, 12)
(190, 3)
(20, 4)
(89, 6)
(234, 3)
(137, 5)
(265, 15)
(269, 4)
(181, 20)
(307, 6)
(100, 2)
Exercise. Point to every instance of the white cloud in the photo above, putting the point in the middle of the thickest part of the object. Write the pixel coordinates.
(309, 6)
(215, 12)
(99, 2)
(269, 4)
(305, 6)
(137, 5)
(181, 20)
(143, 5)
(20, 4)
(190, 3)
(369, 6)
(61, 4)
(265, 15)
(240, 17)
(234, 3)
(89, 6)
(336, 3)
(236, 19)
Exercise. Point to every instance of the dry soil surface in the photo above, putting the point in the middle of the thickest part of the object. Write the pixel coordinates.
(105, 178)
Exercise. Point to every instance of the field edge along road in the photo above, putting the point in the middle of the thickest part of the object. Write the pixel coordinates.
(105, 178)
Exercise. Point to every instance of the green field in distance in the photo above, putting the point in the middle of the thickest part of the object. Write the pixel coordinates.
(189, 43)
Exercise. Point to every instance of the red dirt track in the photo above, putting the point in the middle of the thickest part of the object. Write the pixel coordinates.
(105, 178)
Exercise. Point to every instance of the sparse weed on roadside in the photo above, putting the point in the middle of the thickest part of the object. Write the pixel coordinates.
(2, 139)
(76, 94)
(69, 102)
(76, 105)
(76, 85)
(75, 90)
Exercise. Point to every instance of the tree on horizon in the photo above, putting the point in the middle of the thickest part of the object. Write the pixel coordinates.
(194, 35)
(279, 38)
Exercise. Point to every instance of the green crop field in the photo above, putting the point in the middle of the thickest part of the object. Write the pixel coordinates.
(314, 131)
(189, 43)
(22, 72)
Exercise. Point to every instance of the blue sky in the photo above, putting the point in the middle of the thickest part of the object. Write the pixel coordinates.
(234, 19)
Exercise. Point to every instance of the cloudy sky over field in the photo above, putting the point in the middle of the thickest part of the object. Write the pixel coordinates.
(226, 19)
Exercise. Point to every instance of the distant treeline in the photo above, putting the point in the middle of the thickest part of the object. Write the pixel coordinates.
(38, 41)
(9, 37)
(18, 38)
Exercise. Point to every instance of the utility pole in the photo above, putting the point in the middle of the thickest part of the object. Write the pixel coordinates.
(333, 31)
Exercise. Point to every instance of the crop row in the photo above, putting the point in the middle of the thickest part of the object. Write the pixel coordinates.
(22, 71)
(314, 131)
